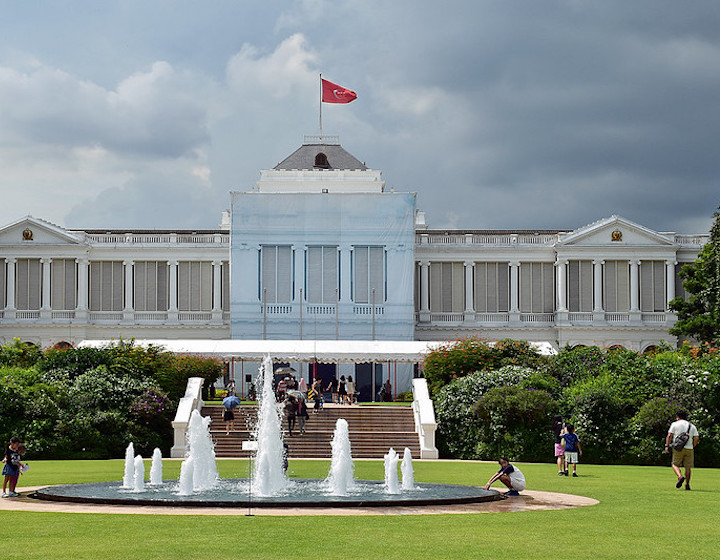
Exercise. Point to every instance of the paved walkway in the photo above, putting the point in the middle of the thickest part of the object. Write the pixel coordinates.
(529, 500)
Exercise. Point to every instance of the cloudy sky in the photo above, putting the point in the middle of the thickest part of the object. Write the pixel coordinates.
(500, 114)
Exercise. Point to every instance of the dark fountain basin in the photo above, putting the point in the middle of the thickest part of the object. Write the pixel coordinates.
(299, 494)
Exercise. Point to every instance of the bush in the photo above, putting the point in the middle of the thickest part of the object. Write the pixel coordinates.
(598, 411)
(572, 365)
(459, 430)
(514, 423)
(19, 354)
(173, 376)
(461, 358)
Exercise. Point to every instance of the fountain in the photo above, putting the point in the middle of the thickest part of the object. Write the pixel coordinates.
(156, 469)
(139, 475)
(340, 478)
(392, 485)
(269, 474)
(129, 476)
(200, 485)
(408, 475)
(201, 451)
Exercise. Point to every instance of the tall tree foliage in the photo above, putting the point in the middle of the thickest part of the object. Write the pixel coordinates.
(699, 316)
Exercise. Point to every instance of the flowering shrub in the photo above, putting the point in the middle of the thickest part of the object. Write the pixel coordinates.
(19, 354)
(463, 357)
(458, 428)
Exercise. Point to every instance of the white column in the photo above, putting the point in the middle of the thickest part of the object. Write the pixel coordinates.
(46, 304)
(670, 282)
(634, 285)
(561, 265)
(514, 287)
(469, 288)
(173, 297)
(81, 303)
(10, 299)
(345, 278)
(129, 287)
(217, 286)
(425, 291)
(597, 285)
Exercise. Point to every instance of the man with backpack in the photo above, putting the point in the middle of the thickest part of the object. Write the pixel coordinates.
(681, 439)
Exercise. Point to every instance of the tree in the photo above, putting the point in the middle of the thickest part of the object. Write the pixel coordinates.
(699, 316)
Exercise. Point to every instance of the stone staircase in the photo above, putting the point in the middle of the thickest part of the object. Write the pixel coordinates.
(373, 430)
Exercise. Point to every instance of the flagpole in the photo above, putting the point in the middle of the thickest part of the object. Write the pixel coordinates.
(321, 109)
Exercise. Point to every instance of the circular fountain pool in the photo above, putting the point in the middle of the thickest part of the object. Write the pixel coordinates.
(299, 493)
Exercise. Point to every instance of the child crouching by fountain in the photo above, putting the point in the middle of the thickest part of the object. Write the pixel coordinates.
(510, 476)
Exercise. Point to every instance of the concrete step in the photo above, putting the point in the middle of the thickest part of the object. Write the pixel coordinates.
(373, 431)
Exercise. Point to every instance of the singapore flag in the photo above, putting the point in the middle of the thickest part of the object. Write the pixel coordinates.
(333, 93)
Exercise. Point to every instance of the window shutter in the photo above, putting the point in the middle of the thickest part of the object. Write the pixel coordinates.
(480, 304)
(330, 274)
(503, 287)
(3, 284)
(659, 286)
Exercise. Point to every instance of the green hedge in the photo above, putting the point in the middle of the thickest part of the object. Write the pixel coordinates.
(620, 401)
(91, 402)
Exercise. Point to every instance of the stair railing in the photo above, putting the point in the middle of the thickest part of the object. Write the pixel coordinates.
(424, 414)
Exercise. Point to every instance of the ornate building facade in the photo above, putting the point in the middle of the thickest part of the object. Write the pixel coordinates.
(320, 249)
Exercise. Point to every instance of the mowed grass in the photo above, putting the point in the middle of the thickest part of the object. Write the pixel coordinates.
(641, 515)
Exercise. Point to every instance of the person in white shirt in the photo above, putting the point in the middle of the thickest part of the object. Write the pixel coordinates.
(686, 456)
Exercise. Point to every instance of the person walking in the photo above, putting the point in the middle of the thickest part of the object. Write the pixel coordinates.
(291, 408)
(302, 415)
(342, 390)
(572, 449)
(13, 466)
(333, 388)
(350, 388)
(684, 457)
(558, 428)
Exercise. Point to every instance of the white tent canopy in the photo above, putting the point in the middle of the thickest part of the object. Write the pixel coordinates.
(322, 351)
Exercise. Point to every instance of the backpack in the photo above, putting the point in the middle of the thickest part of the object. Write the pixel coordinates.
(680, 440)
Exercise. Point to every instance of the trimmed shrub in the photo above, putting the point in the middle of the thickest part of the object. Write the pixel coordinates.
(459, 430)
(514, 423)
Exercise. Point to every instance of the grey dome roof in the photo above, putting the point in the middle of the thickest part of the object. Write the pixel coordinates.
(305, 158)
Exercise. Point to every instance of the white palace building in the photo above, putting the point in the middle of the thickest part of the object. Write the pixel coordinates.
(321, 249)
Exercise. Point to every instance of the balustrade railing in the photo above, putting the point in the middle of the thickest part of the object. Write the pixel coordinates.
(163, 238)
(484, 239)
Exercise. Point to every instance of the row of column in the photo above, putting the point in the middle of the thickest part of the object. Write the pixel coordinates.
(83, 266)
(561, 268)
(469, 287)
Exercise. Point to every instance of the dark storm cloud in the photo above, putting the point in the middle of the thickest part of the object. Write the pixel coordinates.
(514, 114)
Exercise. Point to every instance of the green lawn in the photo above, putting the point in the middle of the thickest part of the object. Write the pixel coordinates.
(640, 515)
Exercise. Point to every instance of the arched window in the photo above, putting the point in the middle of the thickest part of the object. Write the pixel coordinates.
(63, 345)
(321, 161)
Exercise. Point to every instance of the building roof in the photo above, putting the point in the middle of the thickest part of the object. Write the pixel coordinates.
(323, 351)
(305, 157)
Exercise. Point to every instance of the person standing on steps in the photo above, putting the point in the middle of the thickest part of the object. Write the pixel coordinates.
(333, 388)
(342, 390)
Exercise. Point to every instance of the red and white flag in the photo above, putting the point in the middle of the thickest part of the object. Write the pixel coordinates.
(333, 93)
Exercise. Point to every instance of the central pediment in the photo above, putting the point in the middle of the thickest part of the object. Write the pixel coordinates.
(615, 231)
